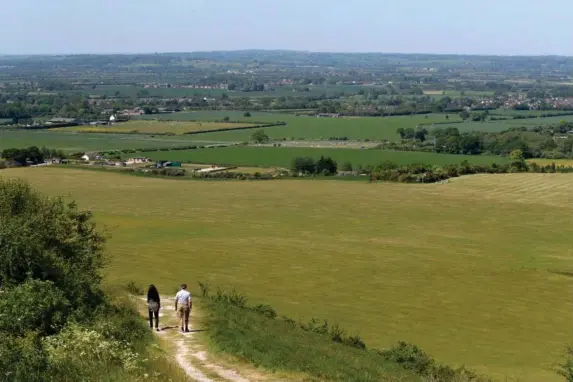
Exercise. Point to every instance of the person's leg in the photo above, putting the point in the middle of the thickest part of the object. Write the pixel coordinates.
(187, 311)
(157, 320)
(181, 318)
(150, 319)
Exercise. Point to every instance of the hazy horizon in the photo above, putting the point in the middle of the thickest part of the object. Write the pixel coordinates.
(361, 26)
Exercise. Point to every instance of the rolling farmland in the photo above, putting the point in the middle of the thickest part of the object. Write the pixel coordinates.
(475, 271)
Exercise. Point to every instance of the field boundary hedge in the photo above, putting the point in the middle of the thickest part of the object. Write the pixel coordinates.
(236, 128)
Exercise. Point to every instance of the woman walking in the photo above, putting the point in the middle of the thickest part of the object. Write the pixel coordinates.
(154, 304)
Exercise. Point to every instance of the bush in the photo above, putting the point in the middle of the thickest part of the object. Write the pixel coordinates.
(22, 358)
(46, 239)
(84, 350)
(33, 306)
(410, 357)
(134, 289)
(566, 368)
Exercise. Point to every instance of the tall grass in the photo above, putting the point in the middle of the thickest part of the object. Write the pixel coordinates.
(255, 334)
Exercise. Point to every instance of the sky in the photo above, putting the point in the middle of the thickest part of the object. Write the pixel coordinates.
(500, 27)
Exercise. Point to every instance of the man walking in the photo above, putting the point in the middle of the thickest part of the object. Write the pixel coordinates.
(183, 306)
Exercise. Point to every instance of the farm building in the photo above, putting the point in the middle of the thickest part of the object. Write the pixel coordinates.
(91, 156)
(214, 169)
(138, 160)
(62, 122)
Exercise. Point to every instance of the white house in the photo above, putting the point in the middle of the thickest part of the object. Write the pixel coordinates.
(91, 156)
(112, 119)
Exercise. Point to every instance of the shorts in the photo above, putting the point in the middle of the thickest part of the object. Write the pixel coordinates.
(183, 311)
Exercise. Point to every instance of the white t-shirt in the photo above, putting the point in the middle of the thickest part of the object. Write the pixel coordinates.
(183, 297)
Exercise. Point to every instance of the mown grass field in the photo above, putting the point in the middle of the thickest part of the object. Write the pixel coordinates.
(155, 127)
(474, 271)
(72, 142)
(283, 156)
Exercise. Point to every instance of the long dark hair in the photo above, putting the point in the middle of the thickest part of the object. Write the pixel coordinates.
(152, 294)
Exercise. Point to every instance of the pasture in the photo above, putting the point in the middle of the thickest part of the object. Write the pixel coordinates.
(74, 142)
(155, 127)
(356, 128)
(283, 156)
(305, 127)
(476, 271)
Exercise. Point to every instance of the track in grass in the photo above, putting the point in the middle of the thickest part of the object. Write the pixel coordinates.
(465, 270)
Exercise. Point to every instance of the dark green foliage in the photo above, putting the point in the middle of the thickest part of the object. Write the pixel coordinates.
(265, 310)
(24, 157)
(260, 136)
(412, 358)
(307, 165)
(168, 171)
(304, 165)
(33, 306)
(422, 173)
(22, 358)
(49, 240)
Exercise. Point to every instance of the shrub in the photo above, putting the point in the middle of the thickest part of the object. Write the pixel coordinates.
(34, 306)
(133, 288)
(265, 310)
(85, 350)
(410, 357)
(22, 358)
(48, 240)
(566, 368)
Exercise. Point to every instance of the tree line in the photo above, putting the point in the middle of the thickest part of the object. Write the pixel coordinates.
(553, 142)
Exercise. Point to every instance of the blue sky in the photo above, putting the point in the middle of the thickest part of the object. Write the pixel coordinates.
(504, 27)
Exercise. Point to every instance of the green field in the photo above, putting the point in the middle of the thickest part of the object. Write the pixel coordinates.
(303, 127)
(154, 127)
(372, 128)
(474, 271)
(90, 142)
(283, 156)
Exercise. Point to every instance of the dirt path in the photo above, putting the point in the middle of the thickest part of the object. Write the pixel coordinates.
(191, 355)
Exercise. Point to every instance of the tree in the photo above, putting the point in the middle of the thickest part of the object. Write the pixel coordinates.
(518, 159)
(346, 166)
(303, 165)
(325, 166)
(260, 136)
(226, 119)
(464, 115)
(247, 114)
(50, 241)
(23, 156)
(420, 134)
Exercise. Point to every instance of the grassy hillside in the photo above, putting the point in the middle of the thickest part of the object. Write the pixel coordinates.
(475, 271)
(283, 156)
